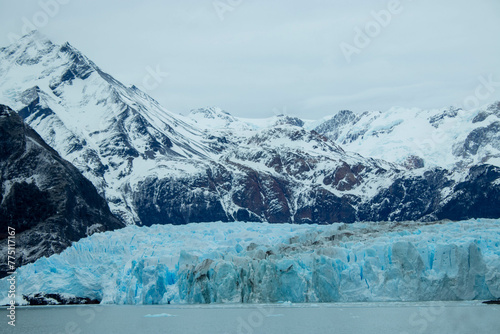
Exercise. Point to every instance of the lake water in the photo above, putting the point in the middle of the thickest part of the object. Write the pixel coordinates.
(425, 317)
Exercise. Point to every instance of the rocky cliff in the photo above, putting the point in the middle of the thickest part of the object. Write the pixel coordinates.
(43, 197)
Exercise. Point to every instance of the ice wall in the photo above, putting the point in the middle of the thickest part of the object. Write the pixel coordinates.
(259, 262)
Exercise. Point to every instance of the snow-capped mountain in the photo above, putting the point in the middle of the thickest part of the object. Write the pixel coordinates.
(214, 118)
(112, 133)
(447, 138)
(43, 197)
(157, 167)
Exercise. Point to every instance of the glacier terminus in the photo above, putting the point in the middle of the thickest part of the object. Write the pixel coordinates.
(268, 263)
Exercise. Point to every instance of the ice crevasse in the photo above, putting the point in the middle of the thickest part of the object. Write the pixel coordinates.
(260, 263)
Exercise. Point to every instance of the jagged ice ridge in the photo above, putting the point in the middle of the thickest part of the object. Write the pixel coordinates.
(260, 262)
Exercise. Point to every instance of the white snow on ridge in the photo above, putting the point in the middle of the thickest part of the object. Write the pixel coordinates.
(105, 129)
(398, 133)
(260, 262)
(394, 135)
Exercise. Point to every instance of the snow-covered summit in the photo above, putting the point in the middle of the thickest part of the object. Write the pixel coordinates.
(29, 48)
(157, 167)
(100, 125)
(214, 118)
(212, 112)
(439, 137)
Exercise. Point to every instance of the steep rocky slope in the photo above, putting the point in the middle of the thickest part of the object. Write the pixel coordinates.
(157, 167)
(43, 197)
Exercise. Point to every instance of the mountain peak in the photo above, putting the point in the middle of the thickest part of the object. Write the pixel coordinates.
(33, 39)
(29, 49)
(68, 48)
(283, 119)
(210, 112)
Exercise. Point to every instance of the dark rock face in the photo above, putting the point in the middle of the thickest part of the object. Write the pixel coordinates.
(325, 208)
(56, 299)
(414, 162)
(481, 137)
(334, 125)
(407, 198)
(46, 199)
(285, 119)
(492, 302)
(178, 201)
(280, 199)
(287, 193)
(477, 197)
(264, 197)
(450, 113)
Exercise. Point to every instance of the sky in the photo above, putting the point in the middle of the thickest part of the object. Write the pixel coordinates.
(260, 58)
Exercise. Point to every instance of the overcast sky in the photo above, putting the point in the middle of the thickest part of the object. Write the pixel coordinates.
(258, 58)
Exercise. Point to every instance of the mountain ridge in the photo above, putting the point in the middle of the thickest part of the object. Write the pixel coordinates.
(156, 167)
(43, 197)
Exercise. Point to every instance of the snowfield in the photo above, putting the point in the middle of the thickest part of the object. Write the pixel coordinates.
(261, 262)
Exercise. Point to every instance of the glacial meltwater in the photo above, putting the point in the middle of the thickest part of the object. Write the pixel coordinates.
(392, 317)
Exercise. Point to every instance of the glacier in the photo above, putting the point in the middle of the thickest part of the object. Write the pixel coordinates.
(267, 263)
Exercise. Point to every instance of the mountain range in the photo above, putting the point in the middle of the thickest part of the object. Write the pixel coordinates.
(153, 166)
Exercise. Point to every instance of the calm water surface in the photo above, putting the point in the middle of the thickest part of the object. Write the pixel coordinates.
(386, 318)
